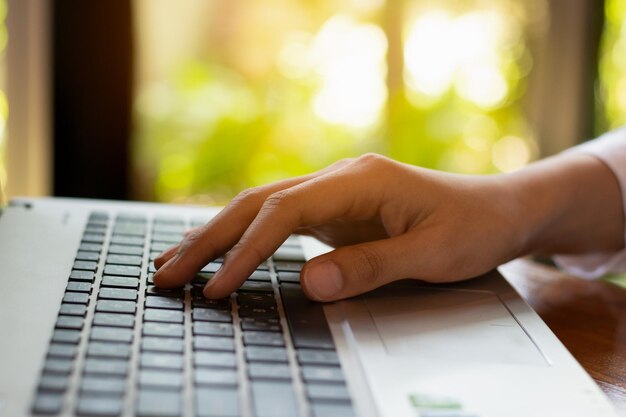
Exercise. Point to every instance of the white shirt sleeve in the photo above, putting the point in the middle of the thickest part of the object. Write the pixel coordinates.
(611, 149)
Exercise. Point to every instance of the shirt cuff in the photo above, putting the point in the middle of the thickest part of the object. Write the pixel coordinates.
(610, 148)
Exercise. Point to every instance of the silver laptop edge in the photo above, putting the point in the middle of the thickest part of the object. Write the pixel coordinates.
(474, 344)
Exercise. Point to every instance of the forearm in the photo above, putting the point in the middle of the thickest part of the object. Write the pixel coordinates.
(569, 204)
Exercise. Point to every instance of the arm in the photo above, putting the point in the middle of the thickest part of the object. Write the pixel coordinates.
(392, 221)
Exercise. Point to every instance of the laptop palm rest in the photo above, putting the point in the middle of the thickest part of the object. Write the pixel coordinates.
(442, 325)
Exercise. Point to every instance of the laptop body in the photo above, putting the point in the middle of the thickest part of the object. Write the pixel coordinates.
(473, 348)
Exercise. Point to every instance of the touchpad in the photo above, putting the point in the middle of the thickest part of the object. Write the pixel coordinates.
(450, 324)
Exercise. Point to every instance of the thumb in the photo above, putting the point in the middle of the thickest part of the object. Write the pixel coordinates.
(356, 269)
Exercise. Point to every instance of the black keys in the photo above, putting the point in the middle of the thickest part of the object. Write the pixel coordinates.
(258, 311)
(99, 405)
(120, 282)
(160, 315)
(118, 294)
(162, 344)
(274, 399)
(165, 292)
(108, 350)
(76, 298)
(84, 276)
(217, 402)
(111, 334)
(114, 320)
(116, 306)
(69, 322)
(158, 403)
(267, 324)
(167, 303)
(47, 403)
(257, 299)
(256, 286)
(306, 319)
(163, 329)
(123, 270)
(207, 314)
(73, 309)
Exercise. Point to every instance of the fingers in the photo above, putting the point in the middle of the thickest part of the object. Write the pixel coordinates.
(357, 269)
(316, 201)
(178, 265)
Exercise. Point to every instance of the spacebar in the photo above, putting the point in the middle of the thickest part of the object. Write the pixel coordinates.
(306, 319)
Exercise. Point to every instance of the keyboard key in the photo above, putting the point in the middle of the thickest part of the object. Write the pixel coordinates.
(126, 250)
(162, 344)
(114, 320)
(62, 351)
(306, 319)
(73, 309)
(69, 322)
(131, 260)
(274, 399)
(77, 286)
(48, 403)
(116, 306)
(160, 246)
(164, 302)
(205, 314)
(266, 324)
(221, 304)
(123, 270)
(256, 299)
(317, 357)
(127, 240)
(260, 276)
(335, 410)
(258, 311)
(158, 403)
(166, 316)
(266, 354)
(288, 266)
(165, 292)
(111, 367)
(93, 238)
(322, 374)
(263, 338)
(85, 276)
(76, 298)
(292, 277)
(160, 379)
(211, 267)
(90, 247)
(108, 350)
(215, 359)
(217, 402)
(213, 377)
(162, 360)
(256, 286)
(163, 329)
(66, 336)
(121, 282)
(85, 265)
(88, 256)
(118, 294)
(170, 239)
(327, 392)
(269, 371)
(213, 343)
(55, 383)
(129, 229)
(99, 406)
(95, 384)
(212, 329)
(111, 334)
(58, 366)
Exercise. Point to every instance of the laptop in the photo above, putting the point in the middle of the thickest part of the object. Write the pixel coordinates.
(85, 333)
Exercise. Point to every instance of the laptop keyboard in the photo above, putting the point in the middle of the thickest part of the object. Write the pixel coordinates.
(122, 346)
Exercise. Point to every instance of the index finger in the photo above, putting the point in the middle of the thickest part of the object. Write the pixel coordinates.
(216, 237)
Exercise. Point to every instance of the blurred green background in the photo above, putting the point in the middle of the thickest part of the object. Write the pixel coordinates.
(236, 94)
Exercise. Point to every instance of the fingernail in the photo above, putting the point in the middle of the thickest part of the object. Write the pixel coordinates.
(323, 281)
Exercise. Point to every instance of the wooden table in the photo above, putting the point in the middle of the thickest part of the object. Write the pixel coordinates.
(589, 317)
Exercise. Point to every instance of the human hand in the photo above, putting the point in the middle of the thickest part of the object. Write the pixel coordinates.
(389, 221)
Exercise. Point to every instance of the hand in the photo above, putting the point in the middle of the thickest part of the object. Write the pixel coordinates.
(389, 221)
